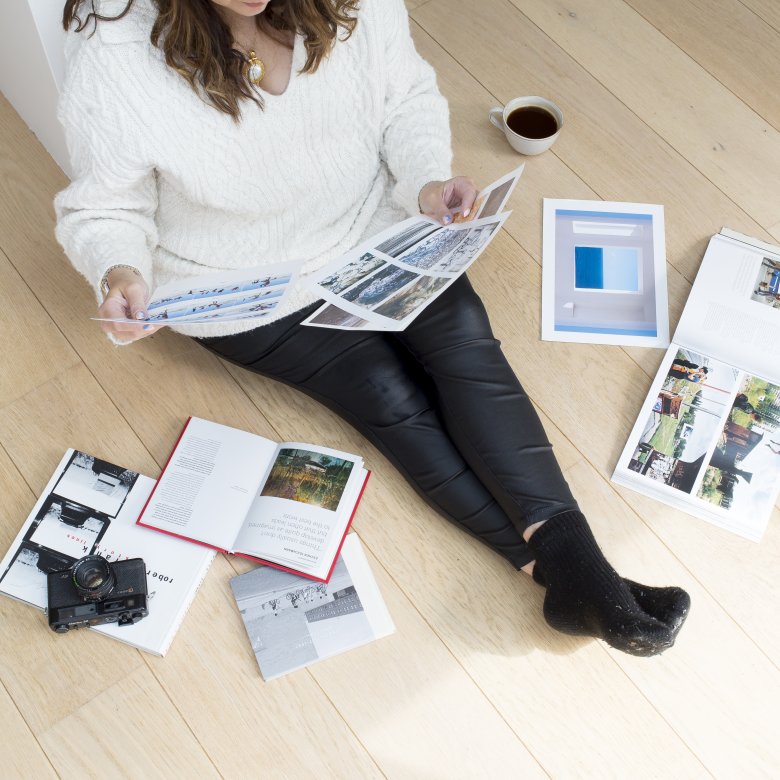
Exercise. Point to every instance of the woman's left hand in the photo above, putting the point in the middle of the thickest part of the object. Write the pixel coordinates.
(448, 201)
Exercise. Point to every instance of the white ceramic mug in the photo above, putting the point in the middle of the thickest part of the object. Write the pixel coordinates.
(519, 143)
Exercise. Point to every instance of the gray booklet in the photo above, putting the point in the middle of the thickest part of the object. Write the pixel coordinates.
(293, 622)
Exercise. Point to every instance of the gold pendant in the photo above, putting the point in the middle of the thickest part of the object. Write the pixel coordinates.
(254, 70)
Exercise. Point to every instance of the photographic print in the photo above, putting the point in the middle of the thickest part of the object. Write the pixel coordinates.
(379, 286)
(466, 252)
(433, 249)
(744, 469)
(351, 273)
(691, 404)
(335, 317)
(259, 284)
(67, 527)
(25, 577)
(495, 199)
(402, 304)
(95, 483)
(604, 273)
(766, 289)
(399, 243)
(308, 477)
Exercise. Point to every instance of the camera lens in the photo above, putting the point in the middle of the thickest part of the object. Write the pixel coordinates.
(93, 577)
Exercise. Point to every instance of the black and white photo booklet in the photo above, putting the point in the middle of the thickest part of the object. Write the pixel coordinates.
(90, 507)
(388, 280)
(293, 622)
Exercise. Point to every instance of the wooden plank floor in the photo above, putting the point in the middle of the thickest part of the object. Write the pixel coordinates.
(665, 102)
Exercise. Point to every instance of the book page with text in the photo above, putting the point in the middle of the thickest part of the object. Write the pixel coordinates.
(733, 311)
(209, 483)
(302, 507)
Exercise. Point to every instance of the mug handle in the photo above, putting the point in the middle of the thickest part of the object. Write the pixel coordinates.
(496, 117)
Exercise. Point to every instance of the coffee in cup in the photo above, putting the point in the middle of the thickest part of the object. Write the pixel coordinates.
(530, 124)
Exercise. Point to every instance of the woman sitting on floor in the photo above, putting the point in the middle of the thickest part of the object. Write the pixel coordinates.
(214, 134)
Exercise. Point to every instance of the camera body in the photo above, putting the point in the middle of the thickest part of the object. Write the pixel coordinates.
(95, 591)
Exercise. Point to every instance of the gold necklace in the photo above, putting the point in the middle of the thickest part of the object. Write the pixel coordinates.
(254, 67)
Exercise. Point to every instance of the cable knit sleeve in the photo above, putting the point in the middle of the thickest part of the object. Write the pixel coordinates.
(416, 133)
(106, 216)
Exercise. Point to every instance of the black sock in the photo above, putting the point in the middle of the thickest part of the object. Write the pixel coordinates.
(586, 596)
(670, 605)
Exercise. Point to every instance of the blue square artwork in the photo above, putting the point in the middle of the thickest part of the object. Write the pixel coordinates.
(606, 268)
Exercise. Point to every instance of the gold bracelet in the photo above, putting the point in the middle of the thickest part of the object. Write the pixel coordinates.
(104, 288)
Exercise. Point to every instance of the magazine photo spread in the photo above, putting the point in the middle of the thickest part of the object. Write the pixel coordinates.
(293, 623)
(287, 505)
(708, 437)
(89, 507)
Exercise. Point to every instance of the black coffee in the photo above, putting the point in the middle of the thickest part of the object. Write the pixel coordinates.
(532, 122)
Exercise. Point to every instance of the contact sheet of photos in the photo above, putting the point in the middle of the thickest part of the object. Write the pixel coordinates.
(245, 294)
(388, 280)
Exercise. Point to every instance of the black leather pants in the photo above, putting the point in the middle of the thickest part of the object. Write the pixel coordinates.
(438, 399)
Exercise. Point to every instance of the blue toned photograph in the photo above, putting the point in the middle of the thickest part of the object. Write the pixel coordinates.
(611, 269)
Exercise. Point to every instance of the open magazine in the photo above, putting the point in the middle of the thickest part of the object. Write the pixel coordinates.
(708, 437)
(292, 622)
(287, 505)
(90, 507)
(388, 280)
(244, 294)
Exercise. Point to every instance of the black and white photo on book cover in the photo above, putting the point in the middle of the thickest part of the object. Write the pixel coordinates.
(293, 622)
(60, 530)
(708, 437)
(389, 279)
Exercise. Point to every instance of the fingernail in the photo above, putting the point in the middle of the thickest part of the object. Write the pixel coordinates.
(140, 315)
(466, 212)
(447, 219)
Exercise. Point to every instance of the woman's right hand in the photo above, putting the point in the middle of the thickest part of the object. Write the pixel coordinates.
(127, 297)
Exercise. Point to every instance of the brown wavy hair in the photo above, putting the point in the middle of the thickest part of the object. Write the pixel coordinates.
(197, 42)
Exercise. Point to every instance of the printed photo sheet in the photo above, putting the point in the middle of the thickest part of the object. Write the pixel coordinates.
(89, 507)
(388, 280)
(247, 293)
(293, 622)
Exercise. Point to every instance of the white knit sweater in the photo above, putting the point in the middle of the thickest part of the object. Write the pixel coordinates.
(167, 183)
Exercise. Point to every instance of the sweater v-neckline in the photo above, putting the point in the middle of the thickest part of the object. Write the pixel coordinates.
(294, 68)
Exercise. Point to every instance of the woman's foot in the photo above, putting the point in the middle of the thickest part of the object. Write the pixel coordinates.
(670, 605)
(586, 596)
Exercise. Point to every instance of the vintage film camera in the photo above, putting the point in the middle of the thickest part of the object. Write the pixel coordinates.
(94, 591)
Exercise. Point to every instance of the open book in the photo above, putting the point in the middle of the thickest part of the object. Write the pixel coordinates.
(293, 623)
(708, 437)
(90, 507)
(288, 505)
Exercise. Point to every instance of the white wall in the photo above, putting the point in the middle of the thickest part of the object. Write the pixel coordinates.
(32, 67)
